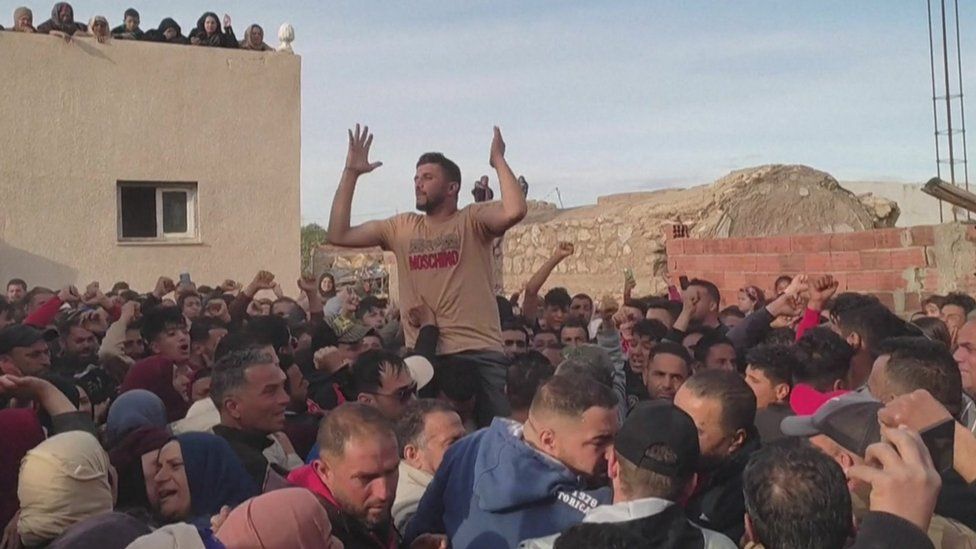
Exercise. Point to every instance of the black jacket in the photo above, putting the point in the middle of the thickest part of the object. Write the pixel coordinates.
(249, 447)
(957, 500)
(355, 535)
(719, 503)
(884, 531)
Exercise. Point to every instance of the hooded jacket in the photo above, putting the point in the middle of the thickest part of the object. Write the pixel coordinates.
(659, 522)
(493, 490)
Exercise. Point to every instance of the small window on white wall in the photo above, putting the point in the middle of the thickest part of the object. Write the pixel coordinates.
(153, 212)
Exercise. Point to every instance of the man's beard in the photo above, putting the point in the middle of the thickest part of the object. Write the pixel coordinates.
(430, 205)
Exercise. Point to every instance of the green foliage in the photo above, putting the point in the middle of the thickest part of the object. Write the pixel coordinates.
(313, 235)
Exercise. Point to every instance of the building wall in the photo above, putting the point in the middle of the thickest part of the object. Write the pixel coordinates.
(901, 266)
(77, 117)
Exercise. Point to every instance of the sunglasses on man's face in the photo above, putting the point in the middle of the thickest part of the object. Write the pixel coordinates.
(517, 343)
(403, 395)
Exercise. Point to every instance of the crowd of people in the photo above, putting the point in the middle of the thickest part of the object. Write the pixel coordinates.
(237, 416)
(210, 30)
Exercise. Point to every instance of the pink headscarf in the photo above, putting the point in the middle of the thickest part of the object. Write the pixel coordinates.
(260, 522)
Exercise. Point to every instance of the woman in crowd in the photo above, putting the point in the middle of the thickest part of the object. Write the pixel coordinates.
(133, 409)
(63, 481)
(751, 298)
(257, 523)
(254, 39)
(62, 21)
(23, 20)
(168, 31)
(209, 32)
(98, 28)
(160, 376)
(198, 473)
(134, 459)
(327, 286)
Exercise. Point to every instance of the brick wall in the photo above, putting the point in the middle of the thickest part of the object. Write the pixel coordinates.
(901, 266)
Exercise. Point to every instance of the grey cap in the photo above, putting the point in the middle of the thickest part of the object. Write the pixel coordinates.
(850, 420)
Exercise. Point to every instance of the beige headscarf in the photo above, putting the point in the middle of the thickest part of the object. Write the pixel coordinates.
(99, 19)
(175, 536)
(249, 44)
(63, 480)
(21, 11)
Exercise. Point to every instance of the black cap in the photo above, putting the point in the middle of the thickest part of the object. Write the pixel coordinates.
(659, 423)
(22, 335)
(850, 420)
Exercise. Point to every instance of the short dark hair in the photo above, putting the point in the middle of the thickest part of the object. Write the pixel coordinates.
(577, 324)
(233, 342)
(733, 393)
(228, 373)
(348, 420)
(710, 287)
(410, 426)
(780, 336)
(451, 170)
(17, 282)
(524, 377)
(934, 299)
(584, 297)
(848, 301)
(934, 329)
(516, 326)
(824, 359)
(672, 348)
(369, 367)
(638, 304)
(181, 299)
(782, 278)
(598, 535)
(917, 363)
(655, 330)
(873, 323)
(158, 320)
(712, 338)
(776, 362)
(268, 330)
(961, 300)
(558, 297)
(200, 329)
(797, 497)
(67, 320)
(731, 310)
(571, 396)
(131, 12)
(672, 307)
(367, 304)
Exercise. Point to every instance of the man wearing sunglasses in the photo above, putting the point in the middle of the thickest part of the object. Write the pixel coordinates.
(386, 382)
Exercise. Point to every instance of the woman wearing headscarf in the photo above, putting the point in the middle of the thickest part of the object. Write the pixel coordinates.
(99, 29)
(133, 409)
(168, 31)
(254, 39)
(20, 431)
(327, 286)
(23, 20)
(257, 523)
(160, 376)
(105, 531)
(62, 21)
(208, 32)
(198, 473)
(134, 459)
(63, 481)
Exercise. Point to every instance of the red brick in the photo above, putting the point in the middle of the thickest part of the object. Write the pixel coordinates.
(714, 277)
(735, 280)
(931, 280)
(845, 261)
(758, 279)
(818, 263)
(792, 263)
(773, 245)
(923, 235)
(875, 281)
(675, 246)
(875, 260)
(674, 264)
(745, 263)
(913, 302)
(713, 245)
(743, 245)
(694, 246)
(766, 263)
(890, 238)
(907, 258)
(852, 242)
(810, 243)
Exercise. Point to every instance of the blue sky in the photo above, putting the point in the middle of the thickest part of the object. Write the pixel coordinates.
(597, 97)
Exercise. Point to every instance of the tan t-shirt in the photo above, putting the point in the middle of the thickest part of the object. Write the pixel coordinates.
(448, 266)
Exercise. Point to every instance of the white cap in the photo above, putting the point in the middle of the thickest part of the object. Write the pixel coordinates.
(421, 370)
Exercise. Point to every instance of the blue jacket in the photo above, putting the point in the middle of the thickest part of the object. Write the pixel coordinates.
(493, 490)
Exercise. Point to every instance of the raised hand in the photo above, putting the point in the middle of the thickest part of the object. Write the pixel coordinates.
(226, 20)
(357, 159)
(420, 316)
(164, 285)
(69, 294)
(821, 290)
(563, 250)
(497, 154)
(130, 311)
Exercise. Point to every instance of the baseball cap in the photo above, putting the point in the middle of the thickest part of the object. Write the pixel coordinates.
(355, 333)
(659, 423)
(22, 335)
(850, 420)
(421, 370)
